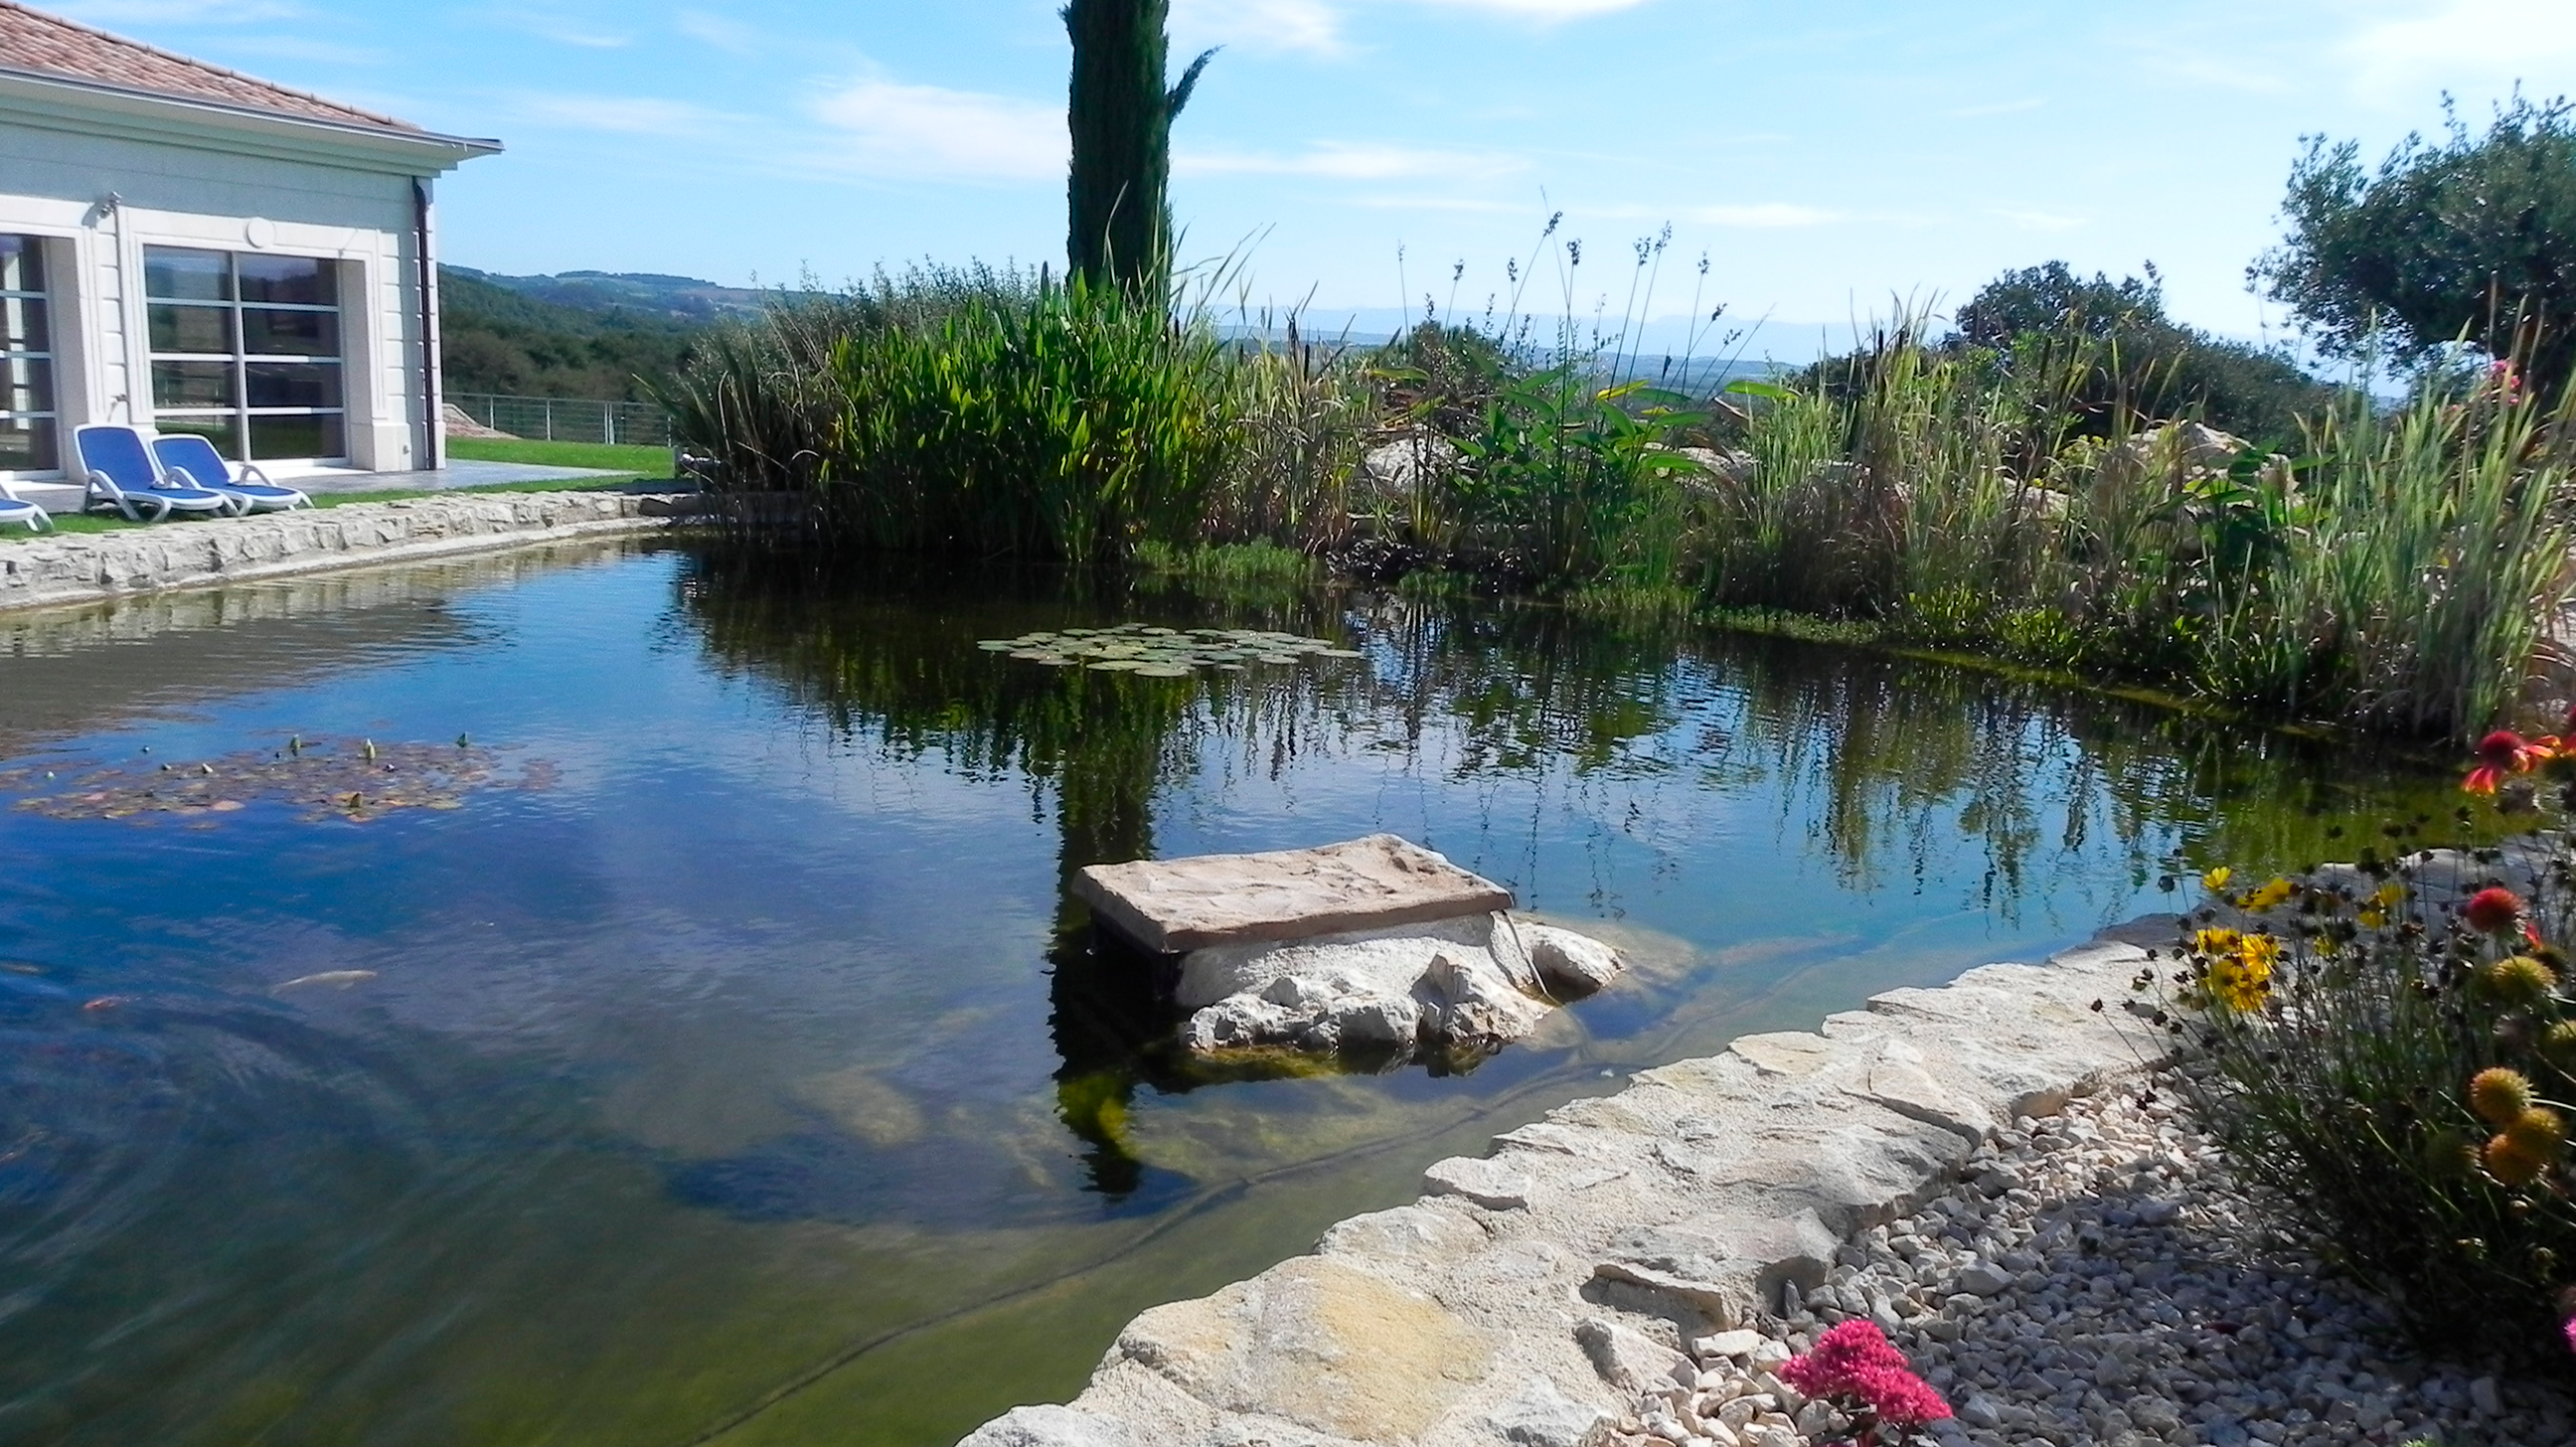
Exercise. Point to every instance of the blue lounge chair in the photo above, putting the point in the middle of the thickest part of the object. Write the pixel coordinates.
(14, 509)
(121, 470)
(191, 458)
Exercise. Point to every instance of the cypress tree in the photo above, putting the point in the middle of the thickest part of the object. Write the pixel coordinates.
(1121, 118)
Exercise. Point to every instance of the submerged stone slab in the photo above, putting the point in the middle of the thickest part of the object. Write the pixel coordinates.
(1174, 905)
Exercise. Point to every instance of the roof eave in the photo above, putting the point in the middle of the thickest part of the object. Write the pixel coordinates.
(405, 149)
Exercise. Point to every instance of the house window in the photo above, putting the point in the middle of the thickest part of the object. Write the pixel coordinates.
(26, 360)
(246, 349)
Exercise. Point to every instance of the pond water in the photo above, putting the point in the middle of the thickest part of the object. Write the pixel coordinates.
(626, 994)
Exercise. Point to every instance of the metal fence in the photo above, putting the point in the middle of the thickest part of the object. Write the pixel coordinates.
(568, 419)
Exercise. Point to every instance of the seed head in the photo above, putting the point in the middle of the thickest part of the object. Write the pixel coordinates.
(2518, 980)
(2450, 1156)
(2558, 1042)
(2511, 1164)
(2539, 1131)
(2499, 1095)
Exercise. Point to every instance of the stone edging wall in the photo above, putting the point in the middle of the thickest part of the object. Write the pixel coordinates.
(89, 567)
(1530, 1295)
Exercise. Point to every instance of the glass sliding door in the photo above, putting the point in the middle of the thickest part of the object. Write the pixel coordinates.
(246, 349)
(27, 415)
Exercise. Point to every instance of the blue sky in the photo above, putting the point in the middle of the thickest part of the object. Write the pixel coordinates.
(1825, 156)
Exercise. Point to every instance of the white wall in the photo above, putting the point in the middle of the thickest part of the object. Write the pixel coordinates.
(53, 183)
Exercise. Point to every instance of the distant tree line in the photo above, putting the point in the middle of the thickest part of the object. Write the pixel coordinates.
(496, 340)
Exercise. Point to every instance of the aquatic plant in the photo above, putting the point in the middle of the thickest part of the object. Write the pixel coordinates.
(350, 780)
(1152, 652)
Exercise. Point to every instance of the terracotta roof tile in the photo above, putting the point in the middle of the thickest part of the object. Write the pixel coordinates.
(31, 40)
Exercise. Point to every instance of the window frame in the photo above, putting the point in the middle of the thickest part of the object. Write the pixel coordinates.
(239, 419)
(44, 362)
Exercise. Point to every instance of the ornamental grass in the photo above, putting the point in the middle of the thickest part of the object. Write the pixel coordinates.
(2388, 1050)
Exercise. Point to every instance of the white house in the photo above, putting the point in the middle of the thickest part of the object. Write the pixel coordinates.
(190, 248)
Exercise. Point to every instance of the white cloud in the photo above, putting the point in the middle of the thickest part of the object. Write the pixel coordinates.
(2041, 220)
(1348, 161)
(2401, 57)
(626, 115)
(718, 31)
(1763, 216)
(2206, 66)
(1313, 26)
(890, 129)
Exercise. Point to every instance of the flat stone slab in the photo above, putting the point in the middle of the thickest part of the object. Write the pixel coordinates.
(1171, 906)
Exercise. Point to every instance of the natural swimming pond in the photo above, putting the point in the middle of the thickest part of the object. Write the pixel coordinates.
(626, 994)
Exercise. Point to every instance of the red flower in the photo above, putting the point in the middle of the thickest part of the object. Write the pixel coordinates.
(1856, 1360)
(2503, 752)
(2492, 911)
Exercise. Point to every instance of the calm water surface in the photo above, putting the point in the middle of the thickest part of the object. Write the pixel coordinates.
(729, 1067)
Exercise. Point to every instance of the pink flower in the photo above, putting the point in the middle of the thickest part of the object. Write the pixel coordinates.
(2569, 1327)
(1855, 1359)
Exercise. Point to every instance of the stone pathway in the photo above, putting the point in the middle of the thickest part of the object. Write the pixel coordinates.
(2097, 1280)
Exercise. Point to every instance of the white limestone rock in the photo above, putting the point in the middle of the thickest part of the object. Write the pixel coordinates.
(1539, 1415)
(1570, 966)
(1468, 983)
(1044, 1427)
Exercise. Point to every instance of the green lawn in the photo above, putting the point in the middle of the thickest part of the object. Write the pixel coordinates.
(633, 461)
(111, 523)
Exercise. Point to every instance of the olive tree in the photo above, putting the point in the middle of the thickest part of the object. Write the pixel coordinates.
(2473, 236)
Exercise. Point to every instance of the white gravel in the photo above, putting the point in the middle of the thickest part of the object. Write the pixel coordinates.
(2098, 1280)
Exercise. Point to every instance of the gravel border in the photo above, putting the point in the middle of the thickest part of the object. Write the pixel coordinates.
(2097, 1279)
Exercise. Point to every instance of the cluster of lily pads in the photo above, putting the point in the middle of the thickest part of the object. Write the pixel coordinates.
(355, 780)
(1151, 652)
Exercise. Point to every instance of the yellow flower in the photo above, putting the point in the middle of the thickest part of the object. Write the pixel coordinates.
(2269, 895)
(2241, 979)
(2389, 896)
(2215, 942)
(2216, 879)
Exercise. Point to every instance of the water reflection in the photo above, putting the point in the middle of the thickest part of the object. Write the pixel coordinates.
(757, 1081)
(1899, 775)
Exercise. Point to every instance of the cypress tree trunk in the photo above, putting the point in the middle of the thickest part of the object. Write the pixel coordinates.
(1121, 119)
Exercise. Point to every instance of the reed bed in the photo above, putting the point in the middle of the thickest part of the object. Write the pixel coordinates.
(2399, 569)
